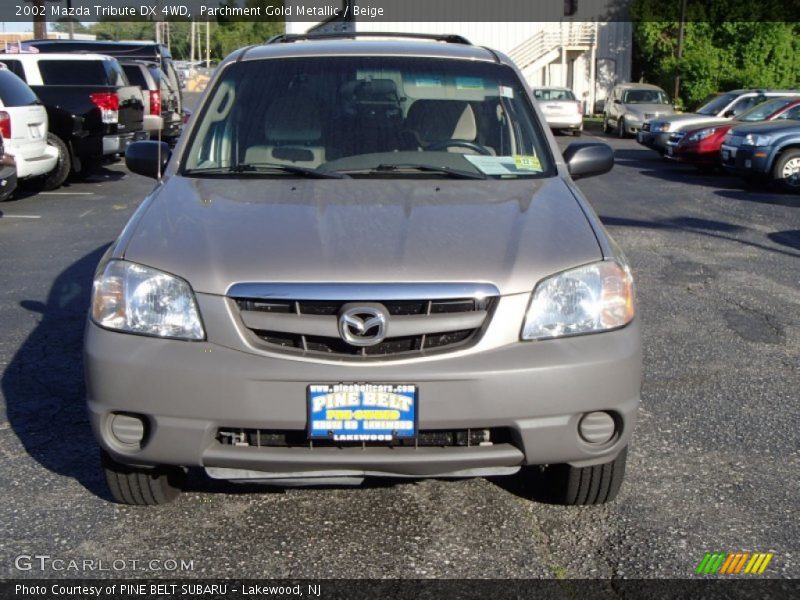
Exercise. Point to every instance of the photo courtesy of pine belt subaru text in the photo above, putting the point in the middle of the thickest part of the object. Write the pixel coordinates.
(365, 257)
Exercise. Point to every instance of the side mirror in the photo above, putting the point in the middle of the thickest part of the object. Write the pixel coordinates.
(147, 158)
(729, 113)
(617, 101)
(586, 159)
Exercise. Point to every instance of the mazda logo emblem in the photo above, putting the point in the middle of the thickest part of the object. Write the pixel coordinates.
(363, 324)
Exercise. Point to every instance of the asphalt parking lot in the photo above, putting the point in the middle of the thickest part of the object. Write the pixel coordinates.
(713, 466)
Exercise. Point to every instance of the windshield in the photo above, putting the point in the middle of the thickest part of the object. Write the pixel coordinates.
(716, 104)
(369, 117)
(645, 97)
(765, 109)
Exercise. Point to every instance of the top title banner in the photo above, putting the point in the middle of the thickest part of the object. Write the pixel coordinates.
(400, 10)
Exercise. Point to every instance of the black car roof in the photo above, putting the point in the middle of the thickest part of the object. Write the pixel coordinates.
(144, 50)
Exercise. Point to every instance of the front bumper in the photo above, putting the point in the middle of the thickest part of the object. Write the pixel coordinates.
(747, 160)
(691, 155)
(538, 391)
(8, 181)
(654, 141)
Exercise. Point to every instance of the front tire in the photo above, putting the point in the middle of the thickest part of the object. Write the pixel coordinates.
(606, 126)
(141, 487)
(786, 172)
(577, 486)
(621, 128)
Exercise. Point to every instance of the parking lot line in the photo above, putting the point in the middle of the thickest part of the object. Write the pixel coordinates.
(66, 193)
(3, 216)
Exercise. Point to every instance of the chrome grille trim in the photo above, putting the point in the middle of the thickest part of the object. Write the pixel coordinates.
(327, 326)
(361, 291)
(414, 327)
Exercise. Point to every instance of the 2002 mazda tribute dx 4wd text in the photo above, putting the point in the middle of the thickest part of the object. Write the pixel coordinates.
(365, 257)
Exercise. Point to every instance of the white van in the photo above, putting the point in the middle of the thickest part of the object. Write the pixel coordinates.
(23, 125)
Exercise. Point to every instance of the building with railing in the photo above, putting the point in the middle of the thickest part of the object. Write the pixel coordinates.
(589, 57)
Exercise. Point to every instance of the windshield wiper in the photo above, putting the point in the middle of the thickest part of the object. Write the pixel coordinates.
(391, 168)
(261, 168)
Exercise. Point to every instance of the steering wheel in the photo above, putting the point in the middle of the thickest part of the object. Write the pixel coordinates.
(460, 144)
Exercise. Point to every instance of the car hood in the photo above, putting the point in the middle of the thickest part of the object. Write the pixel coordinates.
(217, 232)
(702, 124)
(693, 120)
(642, 109)
(767, 127)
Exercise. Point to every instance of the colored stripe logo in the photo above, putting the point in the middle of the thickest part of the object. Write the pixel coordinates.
(724, 563)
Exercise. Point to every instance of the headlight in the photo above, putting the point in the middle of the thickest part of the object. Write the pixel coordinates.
(702, 134)
(589, 299)
(755, 140)
(659, 127)
(137, 299)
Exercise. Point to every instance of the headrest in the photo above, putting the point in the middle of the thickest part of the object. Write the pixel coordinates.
(440, 120)
(293, 117)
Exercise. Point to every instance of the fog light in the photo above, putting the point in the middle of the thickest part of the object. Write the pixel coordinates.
(597, 427)
(128, 429)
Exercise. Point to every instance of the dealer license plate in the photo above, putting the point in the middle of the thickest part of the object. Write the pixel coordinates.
(362, 412)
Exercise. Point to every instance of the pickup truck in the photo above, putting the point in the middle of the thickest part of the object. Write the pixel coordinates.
(93, 111)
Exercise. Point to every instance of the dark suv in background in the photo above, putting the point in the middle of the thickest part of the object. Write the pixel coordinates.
(151, 52)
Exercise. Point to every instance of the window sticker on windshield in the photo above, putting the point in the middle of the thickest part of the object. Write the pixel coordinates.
(527, 163)
(428, 81)
(506, 92)
(504, 165)
(469, 83)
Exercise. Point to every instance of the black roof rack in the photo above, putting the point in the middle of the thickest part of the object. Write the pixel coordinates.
(286, 38)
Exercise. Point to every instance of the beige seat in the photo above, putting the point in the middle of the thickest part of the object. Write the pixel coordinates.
(433, 121)
(293, 128)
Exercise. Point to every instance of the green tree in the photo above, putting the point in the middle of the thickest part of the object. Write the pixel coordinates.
(717, 54)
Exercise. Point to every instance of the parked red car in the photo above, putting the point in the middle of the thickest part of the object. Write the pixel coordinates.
(701, 147)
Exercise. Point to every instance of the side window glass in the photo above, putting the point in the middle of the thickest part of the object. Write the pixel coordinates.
(15, 67)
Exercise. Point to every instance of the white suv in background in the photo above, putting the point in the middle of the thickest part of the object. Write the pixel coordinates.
(23, 125)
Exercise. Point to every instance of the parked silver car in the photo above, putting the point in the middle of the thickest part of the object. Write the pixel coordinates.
(632, 104)
(365, 257)
(562, 110)
(656, 132)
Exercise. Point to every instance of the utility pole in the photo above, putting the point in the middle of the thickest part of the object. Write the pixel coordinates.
(681, 28)
(192, 25)
(71, 23)
(39, 19)
(208, 44)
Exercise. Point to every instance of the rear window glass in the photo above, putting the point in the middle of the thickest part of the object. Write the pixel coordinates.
(553, 95)
(73, 72)
(135, 75)
(14, 92)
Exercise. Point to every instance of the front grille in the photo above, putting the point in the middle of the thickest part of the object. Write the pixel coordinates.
(289, 314)
(676, 137)
(646, 126)
(650, 115)
(293, 438)
(733, 140)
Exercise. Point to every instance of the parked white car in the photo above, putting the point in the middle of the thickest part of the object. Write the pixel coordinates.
(562, 110)
(23, 125)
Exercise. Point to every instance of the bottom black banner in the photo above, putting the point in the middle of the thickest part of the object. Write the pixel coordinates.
(400, 589)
